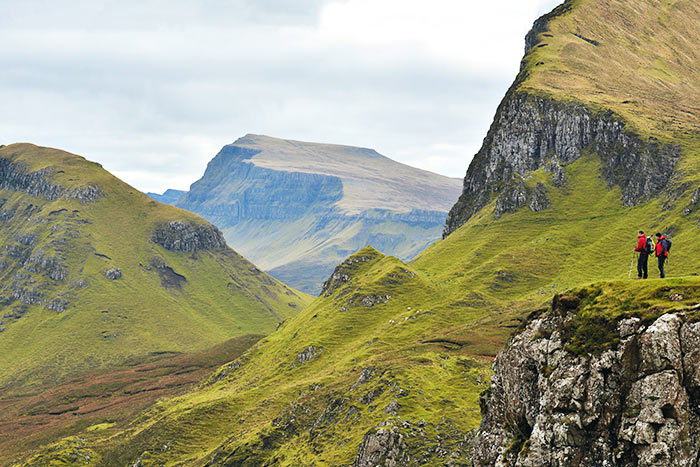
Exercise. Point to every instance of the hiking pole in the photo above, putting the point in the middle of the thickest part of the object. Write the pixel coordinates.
(629, 276)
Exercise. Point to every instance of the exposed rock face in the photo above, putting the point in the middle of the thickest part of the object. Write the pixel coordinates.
(383, 447)
(531, 133)
(310, 353)
(180, 236)
(17, 177)
(694, 202)
(513, 197)
(297, 209)
(635, 405)
(539, 201)
(343, 273)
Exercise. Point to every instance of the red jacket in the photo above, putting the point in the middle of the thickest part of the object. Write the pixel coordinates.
(661, 247)
(642, 244)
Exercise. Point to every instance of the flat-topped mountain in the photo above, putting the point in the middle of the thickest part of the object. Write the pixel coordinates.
(297, 209)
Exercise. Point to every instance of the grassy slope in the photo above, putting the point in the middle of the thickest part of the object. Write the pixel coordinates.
(105, 398)
(471, 289)
(224, 295)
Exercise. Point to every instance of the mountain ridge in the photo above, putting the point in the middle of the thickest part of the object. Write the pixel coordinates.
(65, 265)
(299, 208)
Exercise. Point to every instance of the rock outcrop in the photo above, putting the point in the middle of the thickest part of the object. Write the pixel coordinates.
(181, 236)
(17, 177)
(635, 404)
(532, 132)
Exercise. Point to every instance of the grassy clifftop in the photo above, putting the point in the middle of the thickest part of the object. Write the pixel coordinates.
(638, 58)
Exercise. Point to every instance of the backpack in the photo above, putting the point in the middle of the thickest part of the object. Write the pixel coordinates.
(668, 245)
(649, 246)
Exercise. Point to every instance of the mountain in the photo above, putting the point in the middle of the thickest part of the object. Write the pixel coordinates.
(94, 274)
(297, 209)
(170, 196)
(597, 138)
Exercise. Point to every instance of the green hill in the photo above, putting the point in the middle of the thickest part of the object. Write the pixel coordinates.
(386, 366)
(94, 273)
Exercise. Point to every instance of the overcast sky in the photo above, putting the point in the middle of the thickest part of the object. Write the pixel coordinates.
(153, 88)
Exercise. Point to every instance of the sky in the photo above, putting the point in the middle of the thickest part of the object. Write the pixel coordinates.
(152, 89)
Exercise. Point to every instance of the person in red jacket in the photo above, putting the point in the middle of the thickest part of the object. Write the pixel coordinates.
(661, 252)
(643, 260)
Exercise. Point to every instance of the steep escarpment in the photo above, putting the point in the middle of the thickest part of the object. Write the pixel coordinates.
(532, 133)
(594, 381)
(586, 87)
(297, 209)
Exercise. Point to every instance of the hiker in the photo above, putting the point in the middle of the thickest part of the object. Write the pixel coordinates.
(662, 247)
(643, 248)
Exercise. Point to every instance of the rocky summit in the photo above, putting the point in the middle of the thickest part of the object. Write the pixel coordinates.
(297, 209)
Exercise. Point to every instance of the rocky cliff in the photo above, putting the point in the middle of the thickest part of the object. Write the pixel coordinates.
(549, 119)
(297, 209)
(532, 133)
(630, 398)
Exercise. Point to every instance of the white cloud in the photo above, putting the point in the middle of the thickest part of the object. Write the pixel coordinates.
(152, 89)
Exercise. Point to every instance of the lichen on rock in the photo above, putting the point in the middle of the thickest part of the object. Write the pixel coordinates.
(633, 404)
(188, 237)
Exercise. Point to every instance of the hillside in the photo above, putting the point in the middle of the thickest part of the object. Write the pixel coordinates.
(387, 366)
(95, 274)
(297, 209)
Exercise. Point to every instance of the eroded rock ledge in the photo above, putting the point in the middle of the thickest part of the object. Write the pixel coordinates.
(531, 132)
(181, 236)
(634, 405)
(17, 177)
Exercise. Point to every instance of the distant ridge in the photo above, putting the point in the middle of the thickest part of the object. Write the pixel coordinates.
(299, 208)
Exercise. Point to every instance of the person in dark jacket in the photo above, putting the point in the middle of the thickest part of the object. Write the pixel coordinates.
(643, 260)
(661, 252)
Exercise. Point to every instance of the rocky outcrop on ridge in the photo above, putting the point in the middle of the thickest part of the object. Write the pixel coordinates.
(17, 177)
(181, 236)
(635, 404)
(531, 132)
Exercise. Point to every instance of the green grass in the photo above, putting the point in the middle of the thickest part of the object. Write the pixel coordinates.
(452, 309)
(447, 315)
(136, 317)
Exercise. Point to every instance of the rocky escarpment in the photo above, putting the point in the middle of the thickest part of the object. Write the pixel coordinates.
(633, 404)
(17, 177)
(297, 209)
(181, 236)
(531, 132)
(233, 190)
